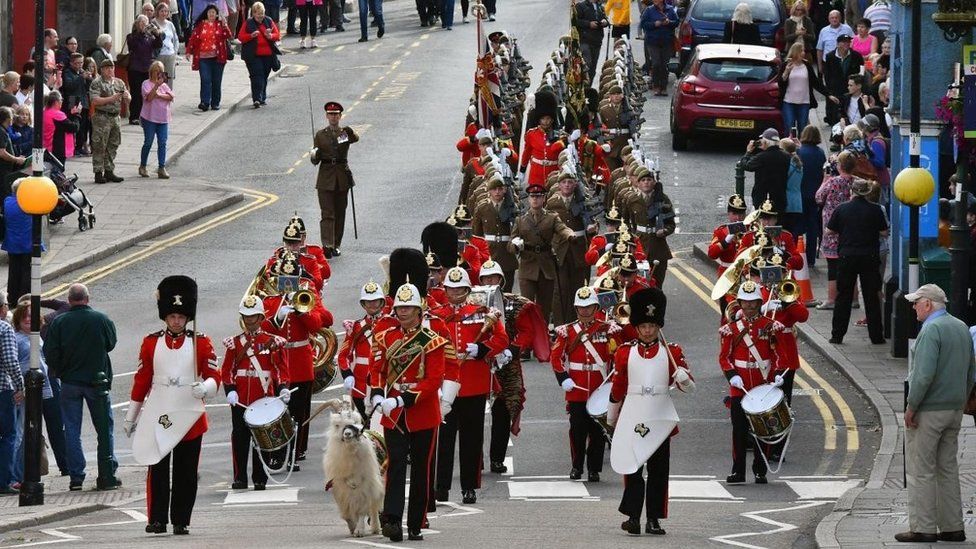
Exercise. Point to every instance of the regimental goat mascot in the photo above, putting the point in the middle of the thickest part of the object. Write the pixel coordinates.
(352, 469)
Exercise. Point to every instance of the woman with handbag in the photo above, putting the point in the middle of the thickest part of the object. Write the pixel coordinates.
(171, 41)
(208, 48)
(142, 43)
(258, 36)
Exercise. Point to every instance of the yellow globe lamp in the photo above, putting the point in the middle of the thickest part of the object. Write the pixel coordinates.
(914, 186)
(37, 195)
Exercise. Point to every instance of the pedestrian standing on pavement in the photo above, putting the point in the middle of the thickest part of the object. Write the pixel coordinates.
(771, 165)
(60, 127)
(107, 93)
(21, 132)
(837, 68)
(858, 227)
(309, 10)
(157, 113)
(618, 13)
(207, 46)
(334, 181)
(590, 22)
(8, 94)
(74, 89)
(22, 323)
(11, 395)
(258, 36)
(77, 348)
(376, 7)
(792, 215)
(940, 379)
(142, 42)
(658, 22)
(17, 243)
(813, 159)
(833, 192)
(102, 49)
(797, 81)
(9, 161)
(171, 41)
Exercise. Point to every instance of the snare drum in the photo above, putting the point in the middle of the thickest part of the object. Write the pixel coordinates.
(597, 406)
(770, 417)
(271, 425)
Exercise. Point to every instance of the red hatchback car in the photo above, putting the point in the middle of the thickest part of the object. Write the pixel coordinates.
(726, 88)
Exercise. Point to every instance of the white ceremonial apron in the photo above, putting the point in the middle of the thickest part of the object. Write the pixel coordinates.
(647, 417)
(170, 409)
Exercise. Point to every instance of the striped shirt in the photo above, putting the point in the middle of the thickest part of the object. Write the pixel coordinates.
(880, 15)
(10, 377)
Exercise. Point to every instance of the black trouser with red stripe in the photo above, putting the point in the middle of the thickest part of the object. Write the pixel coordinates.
(741, 435)
(467, 416)
(585, 438)
(652, 494)
(501, 430)
(300, 407)
(419, 446)
(240, 444)
(178, 502)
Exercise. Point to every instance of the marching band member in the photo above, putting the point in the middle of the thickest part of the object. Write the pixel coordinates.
(353, 356)
(580, 358)
(435, 283)
(607, 242)
(293, 242)
(652, 215)
(254, 367)
(724, 246)
(406, 370)
(646, 371)
(481, 338)
(526, 330)
(570, 254)
(487, 223)
(177, 370)
(474, 249)
(296, 327)
(541, 147)
(748, 359)
(784, 240)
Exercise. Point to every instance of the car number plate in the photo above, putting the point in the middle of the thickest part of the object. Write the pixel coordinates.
(735, 124)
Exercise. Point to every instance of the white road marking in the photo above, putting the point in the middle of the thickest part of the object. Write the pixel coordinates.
(63, 536)
(699, 489)
(251, 497)
(729, 539)
(822, 489)
(510, 463)
(547, 490)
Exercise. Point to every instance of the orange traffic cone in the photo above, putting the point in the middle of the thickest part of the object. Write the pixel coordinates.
(802, 275)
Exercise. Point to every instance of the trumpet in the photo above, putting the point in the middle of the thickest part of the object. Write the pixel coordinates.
(303, 301)
(788, 290)
(621, 312)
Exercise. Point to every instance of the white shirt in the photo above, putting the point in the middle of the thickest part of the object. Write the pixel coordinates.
(798, 86)
(853, 113)
(171, 42)
(827, 41)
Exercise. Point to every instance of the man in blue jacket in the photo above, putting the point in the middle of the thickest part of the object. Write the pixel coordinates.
(17, 244)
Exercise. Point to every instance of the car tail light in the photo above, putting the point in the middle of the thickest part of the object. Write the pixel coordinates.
(773, 92)
(685, 34)
(692, 89)
(779, 39)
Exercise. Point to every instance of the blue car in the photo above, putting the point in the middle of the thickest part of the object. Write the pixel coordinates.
(704, 23)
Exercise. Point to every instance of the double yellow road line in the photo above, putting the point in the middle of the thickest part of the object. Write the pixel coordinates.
(257, 200)
(806, 377)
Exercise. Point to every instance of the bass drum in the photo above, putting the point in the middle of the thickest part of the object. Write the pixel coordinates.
(325, 345)
(598, 405)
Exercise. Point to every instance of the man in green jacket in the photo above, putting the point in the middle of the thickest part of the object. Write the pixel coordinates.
(76, 349)
(940, 378)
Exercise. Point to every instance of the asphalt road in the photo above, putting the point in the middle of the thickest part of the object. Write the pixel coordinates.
(406, 94)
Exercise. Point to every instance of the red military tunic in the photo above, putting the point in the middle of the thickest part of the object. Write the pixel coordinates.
(468, 145)
(296, 329)
(246, 354)
(206, 368)
(418, 381)
(354, 354)
(542, 154)
(599, 169)
(452, 369)
(464, 325)
(319, 254)
(646, 350)
(583, 354)
(436, 297)
(744, 349)
(598, 245)
(787, 351)
(475, 253)
(785, 241)
(721, 251)
(311, 265)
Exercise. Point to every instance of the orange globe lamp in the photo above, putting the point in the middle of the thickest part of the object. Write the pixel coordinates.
(914, 186)
(37, 195)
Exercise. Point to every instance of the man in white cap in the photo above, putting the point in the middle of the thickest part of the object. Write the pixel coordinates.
(940, 379)
(406, 370)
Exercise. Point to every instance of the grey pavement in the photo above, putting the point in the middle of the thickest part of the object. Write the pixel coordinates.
(870, 515)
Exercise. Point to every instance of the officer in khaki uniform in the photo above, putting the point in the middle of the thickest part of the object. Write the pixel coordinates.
(487, 223)
(334, 179)
(107, 94)
(571, 254)
(618, 134)
(651, 215)
(534, 237)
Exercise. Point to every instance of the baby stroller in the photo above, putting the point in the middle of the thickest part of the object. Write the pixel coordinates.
(70, 197)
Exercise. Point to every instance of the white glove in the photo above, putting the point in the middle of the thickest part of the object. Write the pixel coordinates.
(312, 154)
(347, 325)
(681, 375)
(736, 382)
(506, 152)
(729, 238)
(228, 342)
(574, 136)
(772, 305)
(568, 384)
(128, 428)
(503, 358)
(390, 404)
(518, 242)
(285, 395)
(606, 147)
(233, 398)
(613, 413)
(608, 247)
(131, 416)
(283, 311)
(778, 380)
(199, 391)
(349, 382)
(518, 178)
(471, 349)
(483, 132)
(376, 400)
(614, 327)
(562, 331)
(445, 408)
